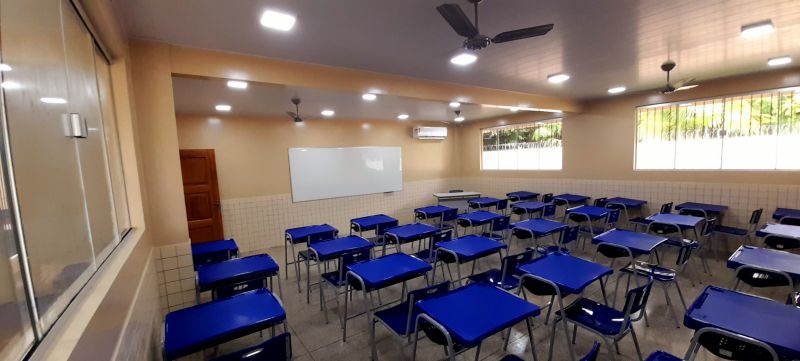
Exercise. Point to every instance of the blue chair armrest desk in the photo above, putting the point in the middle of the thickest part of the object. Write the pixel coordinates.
(338, 249)
(305, 234)
(227, 278)
(464, 249)
(214, 251)
(519, 196)
(378, 223)
(408, 233)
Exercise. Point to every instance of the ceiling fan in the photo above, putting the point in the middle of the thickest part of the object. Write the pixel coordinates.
(683, 84)
(296, 113)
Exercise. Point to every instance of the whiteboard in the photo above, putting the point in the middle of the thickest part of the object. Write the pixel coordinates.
(321, 173)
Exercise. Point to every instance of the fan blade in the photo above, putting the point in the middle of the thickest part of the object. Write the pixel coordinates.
(459, 21)
(684, 84)
(522, 33)
(292, 114)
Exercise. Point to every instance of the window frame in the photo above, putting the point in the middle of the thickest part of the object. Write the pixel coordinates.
(559, 119)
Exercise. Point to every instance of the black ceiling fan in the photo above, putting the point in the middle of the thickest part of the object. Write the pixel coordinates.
(683, 84)
(296, 113)
(459, 21)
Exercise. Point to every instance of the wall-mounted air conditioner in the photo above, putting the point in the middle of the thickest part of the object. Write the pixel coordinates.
(430, 133)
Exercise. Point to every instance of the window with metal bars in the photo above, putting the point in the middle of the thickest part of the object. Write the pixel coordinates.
(757, 131)
(527, 146)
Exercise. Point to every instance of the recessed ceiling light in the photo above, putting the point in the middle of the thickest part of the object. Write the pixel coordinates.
(617, 90)
(463, 59)
(557, 78)
(781, 60)
(223, 107)
(237, 84)
(5, 67)
(327, 113)
(277, 20)
(51, 100)
(459, 119)
(402, 116)
(369, 96)
(687, 87)
(8, 84)
(365, 126)
(757, 29)
(513, 109)
(455, 104)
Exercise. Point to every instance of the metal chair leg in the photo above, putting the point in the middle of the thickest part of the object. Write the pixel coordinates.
(680, 294)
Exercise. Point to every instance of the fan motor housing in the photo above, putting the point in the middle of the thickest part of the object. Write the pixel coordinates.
(477, 42)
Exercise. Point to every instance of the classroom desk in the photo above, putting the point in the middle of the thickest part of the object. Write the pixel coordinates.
(540, 227)
(380, 273)
(710, 209)
(470, 314)
(250, 271)
(377, 222)
(468, 248)
(303, 234)
(638, 243)
(572, 198)
(591, 212)
(783, 230)
(408, 233)
(522, 196)
(628, 203)
(528, 207)
(331, 250)
(477, 218)
(785, 212)
(762, 319)
(683, 222)
(431, 212)
(214, 251)
(195, 328)
(786, 262)
(483, 202)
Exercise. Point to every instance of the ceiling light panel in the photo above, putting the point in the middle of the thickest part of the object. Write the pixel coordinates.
(223, 107)
(327, 113)
(402, 116)
(277, 20)
(758, 29)
(369, 97)
(557, 78)
(781, 60)
(616, 90)
(463, 59)
(237, 84)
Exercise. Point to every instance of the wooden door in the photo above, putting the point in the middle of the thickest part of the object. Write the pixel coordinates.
(201, 194)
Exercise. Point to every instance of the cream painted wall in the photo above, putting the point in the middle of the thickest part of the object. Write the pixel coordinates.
(599, 142)
(252, 153)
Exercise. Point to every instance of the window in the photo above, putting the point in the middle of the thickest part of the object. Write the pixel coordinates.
(528, 146)
(753, 131)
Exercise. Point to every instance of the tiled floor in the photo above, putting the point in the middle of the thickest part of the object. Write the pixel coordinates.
(313, 339)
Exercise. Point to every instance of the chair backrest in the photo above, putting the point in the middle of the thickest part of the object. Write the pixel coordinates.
(755, 217)
(322, 237)
(511, 262)
(518, 211)
(274, 349)
(666, 208)
(685, 253)
(613, 216)
(636, 301)
(539, 286)
(600, 202)
(592, 355)
(427, 292)
(663, 228)
(521, 233)
(708, 227)
(549, 211)
(560, 202)
(443, 236)
(473, 205)
(456, 190)
(547, 197)
(354, 258)
(450, 214)
(501, 224)
(577, 217)
(792, 221)
(382, 228)
(762, 277)
(730, 346)
(610, 250)
(502, 204)
(569, 235)
(693, 212)
(775, 241)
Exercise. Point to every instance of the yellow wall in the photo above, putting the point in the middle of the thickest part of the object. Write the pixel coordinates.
(252, 153)
(599, 142)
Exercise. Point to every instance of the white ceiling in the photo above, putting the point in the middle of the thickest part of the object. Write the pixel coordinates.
(599, 43)
(199, 96)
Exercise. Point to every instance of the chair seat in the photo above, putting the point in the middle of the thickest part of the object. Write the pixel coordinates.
(731, 230)
(334, 279)
(493, 277)
(551, 249)
(593, 229)
(640, 220)
(494, 236)
(306, 255)
(662, 356)
(396, 318)
(426, 255)
(595, 316)
(511, 358)
(659, 273)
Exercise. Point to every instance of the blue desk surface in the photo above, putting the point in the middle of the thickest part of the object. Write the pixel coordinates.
(223, 245)
(477, 311)
(540, 227)
(206, 325)
(484, 201)
(709, 208)
(213, 275)
(766, 258)
(478, 218)
(785, 212)
(571, 274)
(676, 219)
(412, 232)
(388, 270)
(433, 211)
(590, 211)
(779, 230)
(471, 247)
(766, 320)
(573, 198)
(529, 207)
(638, 243)
(373, 221)
(340, 246)
(522, 195)
(302, 234)
(627, 202)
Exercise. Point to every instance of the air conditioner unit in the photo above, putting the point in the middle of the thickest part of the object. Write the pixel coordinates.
(430, 133)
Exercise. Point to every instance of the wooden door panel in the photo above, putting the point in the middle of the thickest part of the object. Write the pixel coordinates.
(201, 195)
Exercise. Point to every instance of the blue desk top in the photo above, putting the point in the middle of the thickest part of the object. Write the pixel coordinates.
(638, 243)
(209, 324)
(785, 212)
(340, 246)
(529, 206)
(478, 218)
(766, 258)
(302, 234)
(213, 275)
(627, 202)
(571, 274)
(477, 311)
(763, 319)
(432, 211)
(590, 211)
(223, 245)
(573, 198)
(676, 219)
(779, 230)
(484, 201)
(471, 247)
(522, 195)
(540, 227)
(372, 222)
(388, 270)
(709, 208)
(412, 232)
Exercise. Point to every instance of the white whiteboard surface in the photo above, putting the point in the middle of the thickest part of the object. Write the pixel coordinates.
(321, 173)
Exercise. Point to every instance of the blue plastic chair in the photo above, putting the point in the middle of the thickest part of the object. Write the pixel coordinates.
(507, 276)
(449, 219)
(568, 236)
(278, 348)
(729, 346)
(606, 322)
(600, 202)
(743, 233)
(759, 277)
(498, 229)
(429, 254)
(547, 197)
(338, 277)
(666, 208)
(775, 241)
(502, 205)
(792, 221)
(549, 211)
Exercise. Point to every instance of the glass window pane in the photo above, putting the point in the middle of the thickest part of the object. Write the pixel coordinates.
(528, 146)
